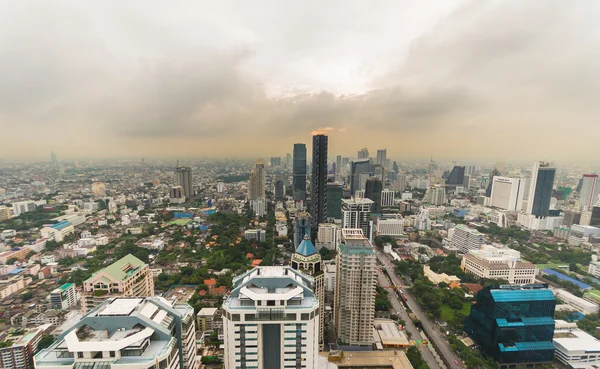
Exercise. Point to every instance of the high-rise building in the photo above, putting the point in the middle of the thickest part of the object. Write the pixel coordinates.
(335, 193)
(338, 168)
(540, 190)
(318, 189)
(395, 167)
(381, 157)
(271, 320)
(595, 216)
(456, 177)
(465, 239)
(256, 182)
(301, 227)
(329, 236)
(435, 195)
(307, 260)
(507, 193)
(356, 213)
(354, 299)
(176, 195)
(128, 276)
(275, 162)
(99, 189)
(590, 188)
(363, 153)
(514, 325)
(373, 189)
(53, 159)
(359, 167)
(387, 198)
(400, 184)
(288, 160)
(17, 351)
(142, 333)
(279, 190)
(299, 172)
(184, 179)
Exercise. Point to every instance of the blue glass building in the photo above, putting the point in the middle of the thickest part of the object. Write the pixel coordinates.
(514, 325)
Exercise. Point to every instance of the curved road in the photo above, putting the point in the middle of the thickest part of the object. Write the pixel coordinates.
(438, 340)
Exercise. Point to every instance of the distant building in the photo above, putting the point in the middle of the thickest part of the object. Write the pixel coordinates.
(465, 239)
(514, 325)
(359, 168)
(13, 284)
(390, 226)
(318, 189)
(356, 213)
(184, 179)
(279, 190)
(4, 213)
(128, 276)
(387, 198)
(435, 195)
(57, 232)
(301, 227)
(456, 177)
(99, 189)
(177, 195)
(381, 157)
(373, 189)
(256, 183)
(400, 184)
(590, 188)
(435, 278)
(493, 263)
(507, 193)
(255, 235)
(329, 236)
(335, 194)
(363, 153)
(299, 172)
(540, 190)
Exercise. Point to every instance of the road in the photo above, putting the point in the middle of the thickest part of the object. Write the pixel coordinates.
(409, 326)
(431, 330)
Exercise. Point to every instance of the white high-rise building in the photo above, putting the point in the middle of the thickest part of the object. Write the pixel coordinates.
(493, 263)
(356, 213)
(329, 236)
(390, 226)
(400, 184)
(127, 333)
(354, 299)
(387, 198)
(271, 320)
(590, 188)
(435, 195)
(465, 238)
(507, 193)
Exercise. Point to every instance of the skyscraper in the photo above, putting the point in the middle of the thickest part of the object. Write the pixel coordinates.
(361, 166)
(307, 260)
(318, 189)
(299, 172)
(590, 188)
(456, 177)
(540, 190)
(381, 157)
(363, 153)
(507, 193)
(373, 190)
(338, 167)
(356, 213)
(256, 183)
(335, 193)
(271, 320)
(279, 189)
(184, 179)
(354, 299)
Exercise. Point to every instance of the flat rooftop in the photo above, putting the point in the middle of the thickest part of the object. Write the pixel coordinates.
(120, 307)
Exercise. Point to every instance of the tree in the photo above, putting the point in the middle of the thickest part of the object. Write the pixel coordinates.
(414, 356)
(45, 342)
(26, 296)
(326, 254)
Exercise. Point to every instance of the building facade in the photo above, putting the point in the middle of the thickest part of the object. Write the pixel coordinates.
(387, 198)
(271, 320)
(335, 194)
(299, 172)
(354, 294)
(588, 195)
(456, 177)
(318, 188)
(356, 213)
(373, 189)
(507, 193)
(329, 236)
(359, 168)
(184, 179)
(256, 183)
(493, 263)
(540, 189)
(465, 239)
(301, 227)
(63, 297)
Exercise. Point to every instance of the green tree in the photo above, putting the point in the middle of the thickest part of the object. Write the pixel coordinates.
(414, 356)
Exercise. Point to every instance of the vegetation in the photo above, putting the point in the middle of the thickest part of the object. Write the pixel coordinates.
(503, 235)
(473, 359)
(382, 301)
(416, 360)
(210, 360)
(382, 240)
(589, 324)
(327, 254)
(45, 342)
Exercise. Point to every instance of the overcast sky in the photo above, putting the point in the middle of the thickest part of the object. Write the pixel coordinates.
(453, 79)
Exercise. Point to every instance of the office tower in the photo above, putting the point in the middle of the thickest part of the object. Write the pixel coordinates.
(99, 189)
(338, 167)
(465, 239)
(256, 182)
(361, 166)
(318, 189)
(301, 227)
(381, 157)
(456, 177)
(4, 213)
(128, 276)
(490, 181)
(435, 195)
(354, 299)
(507, 193)
(127, 332)
(335, 193)
(499, 167)
(363, 153)
(345, 161)
(387, 198)
(275, 162)
(176, 195)
(279, 190)
(373, 190)
(356, 213)
(184, 179)
(271, 320)
(590, 188)
(307, 260)
(514, 325)
(400, 184)
(540, 191)
(299, 172)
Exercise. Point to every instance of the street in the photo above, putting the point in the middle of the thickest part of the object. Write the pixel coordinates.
(431, 330)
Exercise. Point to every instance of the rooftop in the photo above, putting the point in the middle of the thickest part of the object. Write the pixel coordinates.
(506, 295)
(306, 247)
(60, 225)
(123, 268)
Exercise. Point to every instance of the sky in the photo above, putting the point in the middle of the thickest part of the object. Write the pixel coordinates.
(456, 80)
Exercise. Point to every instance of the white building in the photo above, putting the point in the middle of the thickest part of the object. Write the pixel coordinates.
(465, 238)
(270, 320)
(577, 303)
(574, 347)
(594, 267)
(356, 213)
(390, 226)
(387, 198)
(65, 296)
(493, 263)
(354, 299)
(507, 193)
(99, 189)
(20, 207)
(328, 236)
(581, 233)
(531, 222)
(259, 206)
(57, 232)
(132, 333)
(590, 188)
(422, 220)
(435, 195)
(255, 235)
(330, 271)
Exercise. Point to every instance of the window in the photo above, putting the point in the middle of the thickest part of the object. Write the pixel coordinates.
(80, 355)
(235, 317)
(304, 316)
(271, 303)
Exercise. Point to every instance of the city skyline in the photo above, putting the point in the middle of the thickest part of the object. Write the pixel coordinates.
(201, 80)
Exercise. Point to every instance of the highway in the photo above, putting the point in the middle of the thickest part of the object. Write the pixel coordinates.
(438, 340)
(409, 326)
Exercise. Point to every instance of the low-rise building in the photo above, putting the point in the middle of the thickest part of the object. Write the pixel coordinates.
(495, 263)
(435, 278)
(18, 254)
(57, 232)
(255, 235)
(575, 348)
(577, 303)
(205, 319)
(13, 284)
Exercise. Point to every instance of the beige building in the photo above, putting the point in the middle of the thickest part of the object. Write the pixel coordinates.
(494, 263)
(440, 278)
(13, 285)
(4, 213)
(128, 276)
(99, 189)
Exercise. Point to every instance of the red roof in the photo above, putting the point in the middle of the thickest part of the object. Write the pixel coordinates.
(473, 287)
(210, 282)
(249, 255)
(222, 290)
(256, 262)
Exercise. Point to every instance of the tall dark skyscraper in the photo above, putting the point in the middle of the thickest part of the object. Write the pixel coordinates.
(335, 194)
(358, 167)
(373, 190)
(299, 172)
(318, 189)
(540, 190)
(456, 177)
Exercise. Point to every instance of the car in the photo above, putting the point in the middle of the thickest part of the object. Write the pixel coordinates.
(456, 362)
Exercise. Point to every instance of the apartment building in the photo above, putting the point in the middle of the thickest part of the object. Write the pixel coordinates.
(465, 238)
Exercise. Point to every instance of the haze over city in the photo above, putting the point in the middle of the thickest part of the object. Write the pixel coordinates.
(452, 79)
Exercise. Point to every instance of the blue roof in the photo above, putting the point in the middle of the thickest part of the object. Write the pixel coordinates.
(306, 247)
(522, 295)
(16, 271)
(563, 277)
(61, 225)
